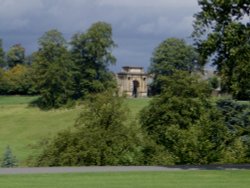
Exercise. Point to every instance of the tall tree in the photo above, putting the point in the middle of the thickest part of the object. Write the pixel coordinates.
(17, 81)
(172, 54)
(101, 137)
(16, 55)
(2, 55)
(183, 121)
(222, 31)
(53, 70)
(92, 54)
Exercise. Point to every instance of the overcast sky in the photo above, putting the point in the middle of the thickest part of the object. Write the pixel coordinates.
(138, 25)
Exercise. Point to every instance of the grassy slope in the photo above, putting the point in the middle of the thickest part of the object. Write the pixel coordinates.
(177, 179)
(11, 100)
(22, 126)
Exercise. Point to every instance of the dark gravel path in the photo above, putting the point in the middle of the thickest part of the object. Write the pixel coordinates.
(46, 170)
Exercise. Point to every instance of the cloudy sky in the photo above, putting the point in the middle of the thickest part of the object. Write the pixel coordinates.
(138, 25)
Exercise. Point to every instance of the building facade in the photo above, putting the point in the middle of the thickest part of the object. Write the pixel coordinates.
(133, 82)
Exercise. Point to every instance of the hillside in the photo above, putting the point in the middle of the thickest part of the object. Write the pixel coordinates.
(22, 126)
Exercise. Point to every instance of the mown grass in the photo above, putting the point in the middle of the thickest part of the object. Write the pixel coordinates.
(174, 179)
(21, 126)
(135, 105)
(15, 99)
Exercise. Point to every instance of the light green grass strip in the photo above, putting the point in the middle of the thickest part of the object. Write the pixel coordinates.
(12, 100)
(177, 179)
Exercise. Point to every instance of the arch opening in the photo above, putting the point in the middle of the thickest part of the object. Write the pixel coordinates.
(136, 86)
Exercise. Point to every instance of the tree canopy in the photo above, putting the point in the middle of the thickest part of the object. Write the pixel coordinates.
(16, 55)
(187, 124)
(92, 54)
(172, 54)
(61, 72)
(221, 31)
(53, 70)
(100, 137)
(16, 80)
(2, 55)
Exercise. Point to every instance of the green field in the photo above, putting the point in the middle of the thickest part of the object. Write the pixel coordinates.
(176, 179)
(21, 126)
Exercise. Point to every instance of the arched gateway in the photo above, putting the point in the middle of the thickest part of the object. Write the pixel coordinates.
(133, 82)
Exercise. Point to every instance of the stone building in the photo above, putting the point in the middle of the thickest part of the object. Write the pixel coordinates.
(133, 82)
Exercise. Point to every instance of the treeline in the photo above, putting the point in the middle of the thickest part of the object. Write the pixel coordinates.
(183, 125)
(60, 72)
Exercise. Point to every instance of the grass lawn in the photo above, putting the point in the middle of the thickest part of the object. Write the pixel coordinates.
(11, 100)
(174, 179)
(21, 126)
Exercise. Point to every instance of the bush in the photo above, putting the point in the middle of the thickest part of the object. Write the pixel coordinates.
(100, 137)
(184, 122)
(9, 160)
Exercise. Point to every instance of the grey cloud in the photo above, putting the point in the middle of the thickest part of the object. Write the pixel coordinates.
(138, 25)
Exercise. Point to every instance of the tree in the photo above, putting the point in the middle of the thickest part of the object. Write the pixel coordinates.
(183, 120)
(172, 54)
(16, 55)
(92, 54)
(52, 68)
(100, 137)
(222, 32)
(9, 160)
(2, 55)
(17, 81)
(3, 85)
(236, 115)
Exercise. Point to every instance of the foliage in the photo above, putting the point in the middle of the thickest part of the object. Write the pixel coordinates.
(14, 73)
(101, 137)
(22, 125)
(15, 55)
(8, 159)
(183, 121)
(222, 32)
(236, 117)
(2, 55)
(214, 82)
(155, 154)
(16, 81)
(52, 69)
(172, 54)
(92, 54)
(58, 74)
(2, 81)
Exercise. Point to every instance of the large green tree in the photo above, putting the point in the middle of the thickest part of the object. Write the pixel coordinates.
(172, 54)
(2, 55)
(16, 81)
(15, 55)
(221, 31)
(101, 137)
(92, 54)
(182, 120)
(236, 117)
(52, 68)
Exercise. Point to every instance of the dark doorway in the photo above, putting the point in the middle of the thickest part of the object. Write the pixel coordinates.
(135, 88)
